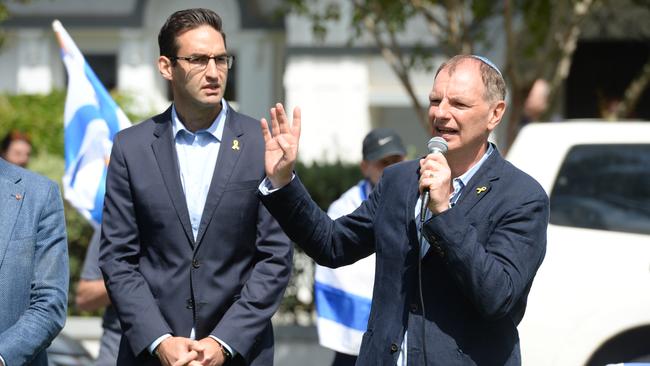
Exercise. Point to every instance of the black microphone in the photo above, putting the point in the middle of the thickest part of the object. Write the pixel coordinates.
(437, 145)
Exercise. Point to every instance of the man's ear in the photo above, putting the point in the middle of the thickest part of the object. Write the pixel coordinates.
(496, 115)
(165, 67)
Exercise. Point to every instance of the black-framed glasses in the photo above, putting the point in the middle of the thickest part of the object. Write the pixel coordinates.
(201, 61)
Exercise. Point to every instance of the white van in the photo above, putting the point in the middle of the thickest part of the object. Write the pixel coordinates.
(590, 300)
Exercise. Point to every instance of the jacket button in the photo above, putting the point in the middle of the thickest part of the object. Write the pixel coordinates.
(190, 304)
(414, 308)
(196, 263)
(393, 348)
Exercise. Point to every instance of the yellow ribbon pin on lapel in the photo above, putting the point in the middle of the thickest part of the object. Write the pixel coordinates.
(235, 144)
(480, 190)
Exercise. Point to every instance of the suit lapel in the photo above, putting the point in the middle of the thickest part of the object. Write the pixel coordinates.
(165, 153)
(481, 183)
(12, 194)
(229, 152)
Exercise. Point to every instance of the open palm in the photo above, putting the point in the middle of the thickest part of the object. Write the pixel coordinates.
(281, 145)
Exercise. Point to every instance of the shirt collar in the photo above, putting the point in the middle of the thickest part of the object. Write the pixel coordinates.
(215, 129)
(465, 177)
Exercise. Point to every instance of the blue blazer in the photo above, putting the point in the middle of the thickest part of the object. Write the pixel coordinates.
(228, 282)
(33, 265)
(484, 254)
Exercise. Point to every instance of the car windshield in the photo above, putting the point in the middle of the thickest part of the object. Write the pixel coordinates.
(605, 187)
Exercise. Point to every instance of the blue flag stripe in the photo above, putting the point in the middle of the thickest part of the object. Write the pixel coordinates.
(341, 307)
(96, 212)
(107, 106)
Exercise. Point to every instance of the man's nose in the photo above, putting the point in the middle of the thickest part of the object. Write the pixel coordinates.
(441, 111)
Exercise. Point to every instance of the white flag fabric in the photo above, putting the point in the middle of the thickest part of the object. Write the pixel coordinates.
(91, 120)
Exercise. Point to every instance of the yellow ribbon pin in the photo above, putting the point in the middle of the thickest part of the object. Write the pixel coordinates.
(235, 144)
(480, 190)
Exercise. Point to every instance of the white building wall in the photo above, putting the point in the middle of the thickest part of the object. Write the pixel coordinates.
(333, 96)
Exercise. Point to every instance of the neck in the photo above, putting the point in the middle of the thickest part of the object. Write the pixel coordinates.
(195, 119)
(462, 161)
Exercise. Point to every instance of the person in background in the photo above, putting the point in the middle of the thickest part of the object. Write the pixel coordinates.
(33, 266)
(344, 295)
(16, 148)
(453, 271)
(193, 262)
(91, 295)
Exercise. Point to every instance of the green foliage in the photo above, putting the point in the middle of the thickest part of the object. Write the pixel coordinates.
(41, 116)
(326, 182)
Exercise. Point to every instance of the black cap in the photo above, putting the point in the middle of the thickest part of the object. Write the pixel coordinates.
(382, 142)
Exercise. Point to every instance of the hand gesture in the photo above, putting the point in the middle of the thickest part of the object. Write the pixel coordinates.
(209, 353)
(176, 351)
(281, 142)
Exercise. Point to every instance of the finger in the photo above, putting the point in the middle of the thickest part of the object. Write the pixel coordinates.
(186, 358)
(275, 127)
(198, 347)
(297, 120)
(266, 133)
(282, 118)
(286, 147)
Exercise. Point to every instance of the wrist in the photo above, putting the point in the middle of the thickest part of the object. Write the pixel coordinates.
(226, 354)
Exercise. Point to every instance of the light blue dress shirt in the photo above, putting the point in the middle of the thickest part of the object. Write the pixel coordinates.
(197, 154)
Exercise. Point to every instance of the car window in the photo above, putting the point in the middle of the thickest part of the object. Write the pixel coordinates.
(605, 187)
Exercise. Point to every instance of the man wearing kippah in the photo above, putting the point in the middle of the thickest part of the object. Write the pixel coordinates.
(452, 279)
(343, 295)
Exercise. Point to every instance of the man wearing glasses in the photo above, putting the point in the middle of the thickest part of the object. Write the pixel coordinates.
(193, 263)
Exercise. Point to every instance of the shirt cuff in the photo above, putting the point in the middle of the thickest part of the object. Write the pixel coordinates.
(233, 353)
(158, 341)
(266, 187)
(2, 361)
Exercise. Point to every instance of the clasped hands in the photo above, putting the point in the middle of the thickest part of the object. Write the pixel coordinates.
(180, 351)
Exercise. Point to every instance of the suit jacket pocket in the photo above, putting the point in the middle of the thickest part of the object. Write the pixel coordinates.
(242, 186)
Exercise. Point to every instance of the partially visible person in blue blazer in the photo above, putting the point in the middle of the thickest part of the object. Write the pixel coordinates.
(33, 265)
(451, 282)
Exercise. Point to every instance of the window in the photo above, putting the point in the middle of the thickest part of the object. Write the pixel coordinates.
(605, 187)
(105, 67)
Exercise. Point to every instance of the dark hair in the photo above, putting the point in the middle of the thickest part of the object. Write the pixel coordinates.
(12, 136)
(495, 86)
(182, 21)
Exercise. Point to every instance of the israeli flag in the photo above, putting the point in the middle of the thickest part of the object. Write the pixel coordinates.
(91, 120)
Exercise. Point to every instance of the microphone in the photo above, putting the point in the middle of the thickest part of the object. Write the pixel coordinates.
(437, 145)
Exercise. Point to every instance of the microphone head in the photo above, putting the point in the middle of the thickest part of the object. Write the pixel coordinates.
(437, 145)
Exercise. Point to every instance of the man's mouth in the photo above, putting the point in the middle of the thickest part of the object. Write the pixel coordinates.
(445, 130)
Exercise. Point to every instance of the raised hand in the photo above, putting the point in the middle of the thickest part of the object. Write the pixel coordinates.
(281, 141)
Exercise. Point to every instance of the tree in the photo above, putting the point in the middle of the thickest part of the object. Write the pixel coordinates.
(540, 38)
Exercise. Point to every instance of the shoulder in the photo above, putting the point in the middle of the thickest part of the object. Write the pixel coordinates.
(144, 129)
(520, 183)
(244, 122)
(32, 182)
(402, 171)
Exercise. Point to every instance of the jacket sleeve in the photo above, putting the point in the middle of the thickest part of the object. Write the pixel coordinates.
(331, 243)
(141, 319)
(243, 325)
(45, 316)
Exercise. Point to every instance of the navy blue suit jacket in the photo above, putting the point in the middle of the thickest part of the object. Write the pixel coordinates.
(475, 278)
(227, 283)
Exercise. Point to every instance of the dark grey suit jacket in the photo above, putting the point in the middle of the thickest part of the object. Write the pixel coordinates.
(227, 283)
(475, 278)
